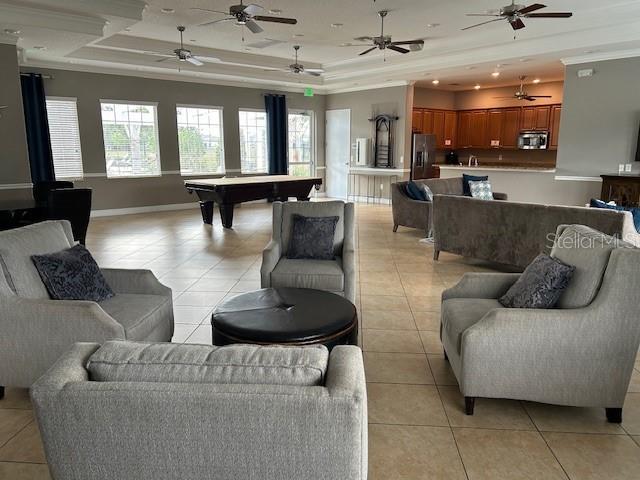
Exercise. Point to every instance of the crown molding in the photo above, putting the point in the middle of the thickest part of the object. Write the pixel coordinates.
(8, 39)
(601, 56)
(372, 86)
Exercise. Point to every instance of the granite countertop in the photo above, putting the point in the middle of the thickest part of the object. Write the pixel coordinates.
(505, 168)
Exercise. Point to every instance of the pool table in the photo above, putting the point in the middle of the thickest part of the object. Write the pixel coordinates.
(226, 192)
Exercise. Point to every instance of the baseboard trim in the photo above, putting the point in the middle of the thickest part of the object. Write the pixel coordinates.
(572, 178)
(112, 212)
(15, 186)
(370, 200)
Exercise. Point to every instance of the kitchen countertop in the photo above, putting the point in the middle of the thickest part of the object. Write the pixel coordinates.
(499, 169)
(377, 171)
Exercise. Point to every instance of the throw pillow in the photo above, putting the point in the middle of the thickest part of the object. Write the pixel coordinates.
(471, 178)
(415, 192)
(634, 210)
(481, 190)
(72, 274)
(312, 238)
(427, 192)
(540, 285)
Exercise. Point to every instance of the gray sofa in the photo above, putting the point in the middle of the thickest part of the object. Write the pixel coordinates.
(35, 330)
(513, 233)
(580, 353)
(168, 411)
(416, 214)
(337, 276)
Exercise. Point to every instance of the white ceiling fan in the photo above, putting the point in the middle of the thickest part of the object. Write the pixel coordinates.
(246, 15)
(184, 54)
(521, 93)
(298, 68)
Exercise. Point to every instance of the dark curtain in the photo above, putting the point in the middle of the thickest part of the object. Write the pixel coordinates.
(277, 130)
(35, 119)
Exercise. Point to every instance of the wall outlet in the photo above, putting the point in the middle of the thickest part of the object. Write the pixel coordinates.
(627, 168)
(621, 168)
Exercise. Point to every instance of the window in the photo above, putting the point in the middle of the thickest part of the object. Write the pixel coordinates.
(200, 140)
(253, 141)
(300, 144)
(62, 115)
(130, 139)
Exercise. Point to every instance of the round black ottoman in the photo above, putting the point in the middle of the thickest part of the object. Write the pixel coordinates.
(290, 316)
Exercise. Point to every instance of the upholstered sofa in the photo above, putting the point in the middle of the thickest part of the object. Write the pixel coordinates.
(35, 330)
(580, 353)
(513, 233)
(337, 276)
(417, 214)
(173, 411)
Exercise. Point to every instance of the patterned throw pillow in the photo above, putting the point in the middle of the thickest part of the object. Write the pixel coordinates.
(72, 274)
(540, 285)
(481, 190)
(312, 238)
(466, 178)
(427, 192)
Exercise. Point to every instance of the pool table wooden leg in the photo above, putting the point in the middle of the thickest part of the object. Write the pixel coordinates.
(226, 214)
(206, 207)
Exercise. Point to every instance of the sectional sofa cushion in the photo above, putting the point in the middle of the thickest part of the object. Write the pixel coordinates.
(540, 285)
(466, 189)
(587, 250)
(72, 274)
(635, 211)
(123, 361)
(316, 274)
(18, 245)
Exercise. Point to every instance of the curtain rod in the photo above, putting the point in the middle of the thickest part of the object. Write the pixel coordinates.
(45, 76)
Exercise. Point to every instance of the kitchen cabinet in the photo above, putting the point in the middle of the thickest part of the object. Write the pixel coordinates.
(536, 118)
(495, 120)
(510, 128)
(450, 129)
(438, 127)
(478, 132)
(464, 129)
(556, 112)
(427, 122)
(416, 121)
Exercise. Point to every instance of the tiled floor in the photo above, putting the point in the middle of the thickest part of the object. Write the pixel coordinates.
(417, 426)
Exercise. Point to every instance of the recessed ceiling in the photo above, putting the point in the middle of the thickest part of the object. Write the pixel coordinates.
(119, 36)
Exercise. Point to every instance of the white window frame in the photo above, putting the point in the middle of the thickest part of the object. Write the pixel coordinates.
(312, 133)
(266, 171)
(155, 120)
(222, 152)
(75, 102)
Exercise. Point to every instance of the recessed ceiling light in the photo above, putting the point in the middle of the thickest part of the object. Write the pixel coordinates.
(495, 74)
(477, 87)
(11, 31)
(168, 10)
(432, 25)
(337, 25)
(436, 82)
(275, 11)
(536, 80)
(39, 47)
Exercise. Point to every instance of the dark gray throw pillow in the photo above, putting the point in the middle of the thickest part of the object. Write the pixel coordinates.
(72, 274)
(540, 285)
(312, 238)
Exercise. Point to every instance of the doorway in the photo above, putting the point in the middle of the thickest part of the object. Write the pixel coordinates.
(338, 152)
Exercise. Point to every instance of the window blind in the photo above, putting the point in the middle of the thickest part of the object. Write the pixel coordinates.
(62, 115)
(200, 140)
(253, 141)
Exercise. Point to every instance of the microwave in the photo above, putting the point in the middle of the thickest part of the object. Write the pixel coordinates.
(533, 140)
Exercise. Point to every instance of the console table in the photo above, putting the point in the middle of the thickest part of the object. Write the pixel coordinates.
(622, 189)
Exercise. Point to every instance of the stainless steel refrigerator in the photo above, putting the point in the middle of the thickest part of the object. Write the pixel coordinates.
(423, 156)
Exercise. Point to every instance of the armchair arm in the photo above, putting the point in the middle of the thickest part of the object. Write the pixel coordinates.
(481, 285)
(349, 269)
(134, 281)
(270, 258)
(70, 367)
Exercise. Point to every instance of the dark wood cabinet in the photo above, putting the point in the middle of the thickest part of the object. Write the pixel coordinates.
(478, 132)
(622, 189)
(450, 128)
(416, 121)
(495, 120)
(536, 118)
(464, 129)
(556, 112)
(438, 127)
(427, 122)
(510, 128)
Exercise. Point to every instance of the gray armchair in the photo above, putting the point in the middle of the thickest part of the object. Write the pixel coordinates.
(337, 276)
(35, 330)
(202, 412)
(581, 353)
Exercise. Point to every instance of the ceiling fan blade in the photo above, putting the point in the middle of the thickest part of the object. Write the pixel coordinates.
(263, 18)
(206, 24)
(539, 96)
(194, 61)
(504, 98)
(531, 8)
(550, 15)
(368, 50)
(314, 70)
(409, 42)
(363, 39)
(483, 23)
(398, 49)
(253, 26)
(517, 24)
(311, 72)
(530, 99)
(165, 59)
(252, 9)
(208, 10)
(483, 15)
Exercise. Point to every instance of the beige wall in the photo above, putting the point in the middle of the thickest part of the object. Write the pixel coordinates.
(486, 97)
(14, 160)
(89, 88)
(434, 98)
